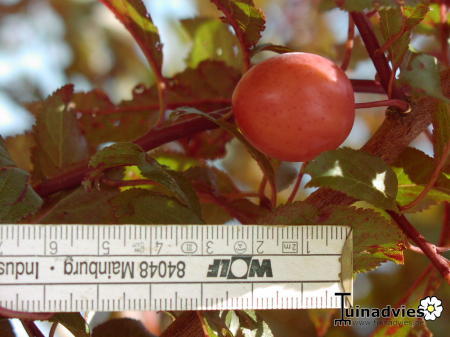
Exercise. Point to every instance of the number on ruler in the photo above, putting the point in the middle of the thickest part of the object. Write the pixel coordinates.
(105, 247)
(158, 247)
(53, 247)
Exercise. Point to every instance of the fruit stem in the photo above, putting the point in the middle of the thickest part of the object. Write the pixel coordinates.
(403, 106)
(297, 183)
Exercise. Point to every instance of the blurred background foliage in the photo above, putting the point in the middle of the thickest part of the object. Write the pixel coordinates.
(47, 43)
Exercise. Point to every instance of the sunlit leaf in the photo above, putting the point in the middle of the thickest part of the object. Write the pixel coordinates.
(128, 154)
(357, 174)
(137, 20)
(247, 21)
(211, 40)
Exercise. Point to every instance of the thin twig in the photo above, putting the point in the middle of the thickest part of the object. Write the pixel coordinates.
(417, 250)
(301, 173)
(403, 106)
(53, 329)
(440, 262)
(348, 44)
(431, 182)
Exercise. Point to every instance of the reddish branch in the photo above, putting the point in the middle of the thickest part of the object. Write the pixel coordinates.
(440, 262)
(349, 44)
(372, 45)
(301, 173)
(403, 106)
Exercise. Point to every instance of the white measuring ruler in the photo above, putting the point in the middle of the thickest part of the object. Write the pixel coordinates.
(65, 268)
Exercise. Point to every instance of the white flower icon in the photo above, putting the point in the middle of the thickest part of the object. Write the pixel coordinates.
(432, 307)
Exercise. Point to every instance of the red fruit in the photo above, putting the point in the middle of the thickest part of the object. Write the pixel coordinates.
(294, 106)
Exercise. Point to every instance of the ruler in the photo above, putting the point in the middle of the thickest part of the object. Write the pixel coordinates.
(67, 268)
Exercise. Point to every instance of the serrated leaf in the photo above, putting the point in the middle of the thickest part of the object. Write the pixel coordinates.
(408, 191)
(143, 207)
(391, 22)
(441, 128)
(375, 238)
(123, 327)
(357, 174)
(137, 20)
(59, 141)
(211, 40)
(85, 207)
(419, 167)
(17, 197)
(247, 21)
(73, 322)
(121, 154)
(422, 73)
(19, 147)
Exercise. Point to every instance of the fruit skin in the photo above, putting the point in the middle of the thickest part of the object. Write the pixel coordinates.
(294, 106)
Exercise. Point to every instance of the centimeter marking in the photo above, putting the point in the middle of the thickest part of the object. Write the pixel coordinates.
(170, 267)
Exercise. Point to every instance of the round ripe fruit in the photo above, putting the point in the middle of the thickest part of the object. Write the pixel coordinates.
(294, 106)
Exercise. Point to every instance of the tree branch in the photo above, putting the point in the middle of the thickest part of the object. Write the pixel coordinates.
(372, 45)
(440, 262)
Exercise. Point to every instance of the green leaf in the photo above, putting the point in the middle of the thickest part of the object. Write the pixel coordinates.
(85, 207)
(441, 128)
(360, 5)
(357, 174)
(408, 191)
(17, 197)
(419, 167)
(391, 22)
(59, 141)
(121, 327)
(120, 154)
(211, 40)
(421, 72)
(137, 20)
(140, 206)
(375, 238)
(73, 322)
(285, 323)
(247, 21)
